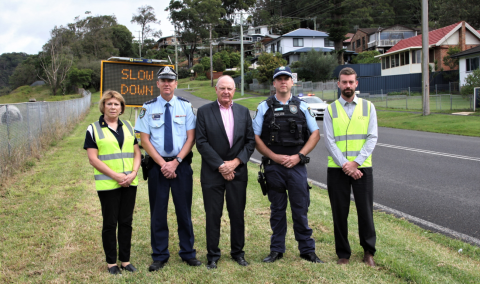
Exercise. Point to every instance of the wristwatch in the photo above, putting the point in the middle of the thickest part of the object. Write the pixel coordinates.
(303, 159)
(179, 160)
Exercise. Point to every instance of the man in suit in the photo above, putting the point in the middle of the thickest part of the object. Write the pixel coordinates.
(226, 141)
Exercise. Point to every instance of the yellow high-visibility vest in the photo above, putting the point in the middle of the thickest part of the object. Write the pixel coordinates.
(109, 152)
(350, 134)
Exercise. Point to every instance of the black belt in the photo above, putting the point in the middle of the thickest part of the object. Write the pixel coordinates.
(268, 161)
(169, 159)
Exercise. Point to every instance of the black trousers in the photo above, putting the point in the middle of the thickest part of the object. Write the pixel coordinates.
(117, 209)
(339, 187)
(235, 193)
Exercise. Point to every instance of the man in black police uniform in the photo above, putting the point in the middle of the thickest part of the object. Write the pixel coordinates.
(285, 132)
(167, 132)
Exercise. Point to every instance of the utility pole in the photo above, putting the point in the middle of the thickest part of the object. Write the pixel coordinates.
(425, 60)
(242, 55)
(314, 23)
(176, 48)
(211, 58)
(139, 45)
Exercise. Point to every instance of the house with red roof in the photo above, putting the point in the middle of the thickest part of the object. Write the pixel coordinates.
(406, 56)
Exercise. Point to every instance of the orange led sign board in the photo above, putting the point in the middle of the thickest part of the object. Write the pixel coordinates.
(136, 81)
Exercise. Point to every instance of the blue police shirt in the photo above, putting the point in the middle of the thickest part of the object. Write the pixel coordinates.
(263, 107)
(151, 121)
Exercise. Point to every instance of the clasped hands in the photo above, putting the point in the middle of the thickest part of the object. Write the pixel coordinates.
(125, 180)
(351, 169)
(227, 169)
(168, 169)
(286, 160)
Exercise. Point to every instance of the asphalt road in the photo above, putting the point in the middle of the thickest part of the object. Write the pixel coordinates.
(434, 177)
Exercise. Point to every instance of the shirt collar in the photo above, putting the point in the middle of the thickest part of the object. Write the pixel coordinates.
(231, 104)
(344, 102)
(163, 101)
(102, 122)
(280, 101)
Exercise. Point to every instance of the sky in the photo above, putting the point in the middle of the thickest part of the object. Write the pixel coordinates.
(25, 25)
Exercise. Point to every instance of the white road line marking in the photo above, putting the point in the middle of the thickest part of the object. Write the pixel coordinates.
(424, 223)
(429, 152)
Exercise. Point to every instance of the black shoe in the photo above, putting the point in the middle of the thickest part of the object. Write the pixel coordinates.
(129, 267)
(211, 265)
(156, 265)
(114, 270)
(193, 262)
(241, 260)
(311, 257)
(273, 256)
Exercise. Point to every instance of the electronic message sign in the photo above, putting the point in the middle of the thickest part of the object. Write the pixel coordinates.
(136, 81)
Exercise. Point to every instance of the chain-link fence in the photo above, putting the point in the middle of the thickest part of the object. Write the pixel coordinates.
(26, 127)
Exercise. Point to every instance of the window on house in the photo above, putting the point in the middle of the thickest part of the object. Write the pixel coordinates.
(407, 58)
(298, 42)
(329, 43)
(431, 56)
(417, 56)
(353, 46)
(392, 61)
(402, 59)
(472, 63)
(358, 43)
(397, 60)
(383, 63)
(387, 62)
(363, 42)
(257, 31)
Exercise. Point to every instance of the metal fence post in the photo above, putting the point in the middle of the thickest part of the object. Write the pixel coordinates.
(451, 102)
(8, 131)
(436, 90)
(409, 91)
(386, 100)
(406, 101)
(29, 130)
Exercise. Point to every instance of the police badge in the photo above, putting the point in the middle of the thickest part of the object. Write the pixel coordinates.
(142, 112)
(293, 109)
(311, 112)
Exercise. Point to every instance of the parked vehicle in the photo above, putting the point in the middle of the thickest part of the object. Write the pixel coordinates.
(316, 104)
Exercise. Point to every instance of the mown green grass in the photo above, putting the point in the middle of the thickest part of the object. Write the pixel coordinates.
(39, 93)
(50, 231)
(448, 124)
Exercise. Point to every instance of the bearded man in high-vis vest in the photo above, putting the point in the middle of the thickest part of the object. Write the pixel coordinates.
(351, 133)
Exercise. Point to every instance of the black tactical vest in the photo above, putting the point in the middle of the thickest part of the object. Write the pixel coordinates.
(284, 128)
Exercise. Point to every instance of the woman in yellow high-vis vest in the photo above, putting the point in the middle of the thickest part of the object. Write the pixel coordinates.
(114, 153)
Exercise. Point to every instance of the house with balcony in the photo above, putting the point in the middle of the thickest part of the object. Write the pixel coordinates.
(380, 39)
(406, 56)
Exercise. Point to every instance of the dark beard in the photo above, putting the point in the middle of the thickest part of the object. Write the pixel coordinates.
(348, 95)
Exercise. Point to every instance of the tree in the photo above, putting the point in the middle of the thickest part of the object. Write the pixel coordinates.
(452, 63)
(268, 62)
(192, 18)
(316, 66)
(235, 59)
(218, 64)
(453, 11)
(25, 73)
(146, 16)
(79, 78)
(122, 40)
(8, 63)
(471, 82)
(367, 57)
(56, 62)
(337, 27)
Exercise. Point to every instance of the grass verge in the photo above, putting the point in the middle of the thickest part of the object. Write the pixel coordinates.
(448, 124)
(50, 231)
(39, 93)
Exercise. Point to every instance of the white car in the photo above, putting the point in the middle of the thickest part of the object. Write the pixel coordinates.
(316, 104)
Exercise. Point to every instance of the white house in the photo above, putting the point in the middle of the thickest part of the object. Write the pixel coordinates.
(469, 60)
(296, 40)
(259, 30)
(406, 56)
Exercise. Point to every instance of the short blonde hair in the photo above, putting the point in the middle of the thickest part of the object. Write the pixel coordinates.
(109, 94)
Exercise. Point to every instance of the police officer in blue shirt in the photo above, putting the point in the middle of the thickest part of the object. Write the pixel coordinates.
(167, 126)
(285, 132)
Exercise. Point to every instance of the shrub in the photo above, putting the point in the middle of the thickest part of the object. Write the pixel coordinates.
(183, 73)
(218, 65)
(231, 73)
(202, 78)
(472, 81)
(198, 68)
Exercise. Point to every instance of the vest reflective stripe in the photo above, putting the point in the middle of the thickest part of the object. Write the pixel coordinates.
(115, 156)
(109, 152)
(350, 134)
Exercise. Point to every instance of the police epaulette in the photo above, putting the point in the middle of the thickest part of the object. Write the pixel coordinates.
(183, 99)
(151, 101)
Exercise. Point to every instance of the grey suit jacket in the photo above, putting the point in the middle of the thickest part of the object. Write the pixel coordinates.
(213, 146)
